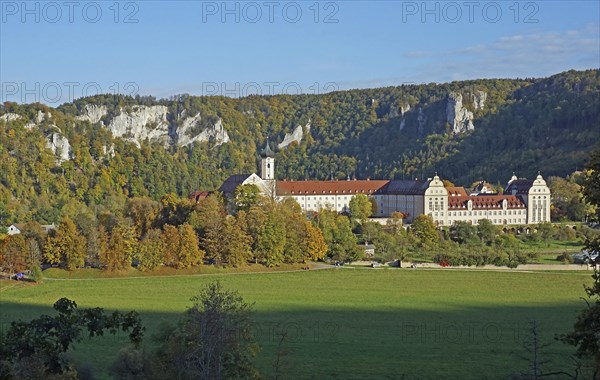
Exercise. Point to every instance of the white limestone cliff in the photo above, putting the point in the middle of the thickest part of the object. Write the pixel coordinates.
(479, 98)
(297, 135)
(8, 117)
(60, 146)
(460, 118)
(92, 113)
(141, 123)
(215, 133)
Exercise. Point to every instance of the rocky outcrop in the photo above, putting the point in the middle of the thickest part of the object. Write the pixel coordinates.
(398, 110)
(404, 108)
(92, 113)
(460, 118)
(296, 136)
(41, 116)
(60, 146)
(141, 123)
(185, 132)
(479, 98)
(8, 117)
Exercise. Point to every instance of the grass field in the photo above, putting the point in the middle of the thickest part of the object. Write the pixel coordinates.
(351, 323)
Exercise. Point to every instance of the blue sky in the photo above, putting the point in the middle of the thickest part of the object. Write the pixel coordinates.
(55, 51)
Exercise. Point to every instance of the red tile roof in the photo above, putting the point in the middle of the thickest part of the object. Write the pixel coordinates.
(485, 202)
(329, 187)
(456, 192)
(199, 195)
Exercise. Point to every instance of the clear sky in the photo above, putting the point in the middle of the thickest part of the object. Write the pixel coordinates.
(55, 51)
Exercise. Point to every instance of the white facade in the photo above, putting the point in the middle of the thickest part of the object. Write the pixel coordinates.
(267, 168)
(523, 202)
(538, 202)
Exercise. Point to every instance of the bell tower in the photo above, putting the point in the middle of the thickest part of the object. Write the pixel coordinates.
(267, 163)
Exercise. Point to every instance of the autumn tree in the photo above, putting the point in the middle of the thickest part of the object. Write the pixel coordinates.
(314, 242)
(65, 246)
(290, 214)
(150, 250)
(237, 248)
(208, 218)
(246, 196)
(121, 248)
(35, 237)
(424, 229)
(143, 212)
(13, 254)
(256, 219)
(340, 240)
(188, 253)
(173, 210)
(271, 242)
(172, 244)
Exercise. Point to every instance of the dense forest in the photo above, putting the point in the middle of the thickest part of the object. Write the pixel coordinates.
(522, 125)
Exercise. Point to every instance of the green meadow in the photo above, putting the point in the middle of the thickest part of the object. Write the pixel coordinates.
(350, 323)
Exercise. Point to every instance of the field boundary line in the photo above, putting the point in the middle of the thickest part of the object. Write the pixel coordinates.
(184, 275)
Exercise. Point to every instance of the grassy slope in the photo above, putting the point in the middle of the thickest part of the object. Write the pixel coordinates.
(350, 323)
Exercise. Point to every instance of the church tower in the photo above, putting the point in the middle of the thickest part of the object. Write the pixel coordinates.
(267, 163)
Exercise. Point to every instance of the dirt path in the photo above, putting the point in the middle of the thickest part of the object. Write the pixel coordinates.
(522, 267)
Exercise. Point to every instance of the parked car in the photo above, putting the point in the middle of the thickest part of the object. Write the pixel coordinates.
(375, 265)
(584, 257)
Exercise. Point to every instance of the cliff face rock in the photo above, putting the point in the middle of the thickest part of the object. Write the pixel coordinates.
(403, 109)
(8, 117)
(216, 133)
(297, 135)
(92, 113)
(460, 119)
(154, 123)
(479, 98)
(185, 132)
(60, 146)
(141, 123)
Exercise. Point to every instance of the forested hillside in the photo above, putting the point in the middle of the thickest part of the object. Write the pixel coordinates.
(99, 150)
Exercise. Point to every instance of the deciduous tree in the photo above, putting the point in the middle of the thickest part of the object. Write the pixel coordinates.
(189, 253)
(214, 339)
(67, 246)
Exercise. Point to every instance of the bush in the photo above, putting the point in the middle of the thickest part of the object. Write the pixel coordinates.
(565, 257)
(36, 273)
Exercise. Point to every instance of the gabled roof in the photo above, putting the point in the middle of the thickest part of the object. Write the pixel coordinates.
(405, 187)
(233, 182)
(456, 191)
(520, 186)
(485, 202)
(199, 195)
(329, 187)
